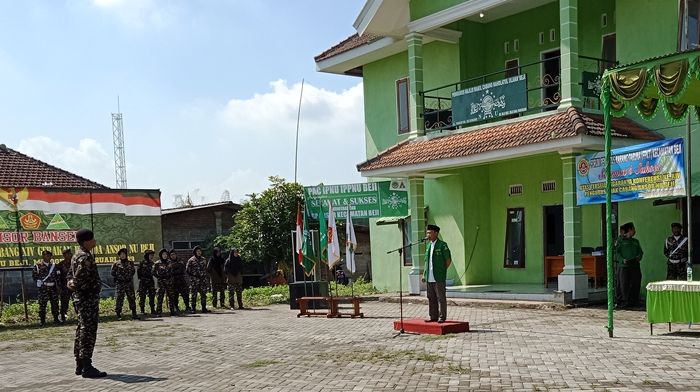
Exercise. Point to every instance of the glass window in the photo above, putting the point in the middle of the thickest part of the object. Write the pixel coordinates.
(515, 239)
(402, 105)
(689, 26)
(406, 235)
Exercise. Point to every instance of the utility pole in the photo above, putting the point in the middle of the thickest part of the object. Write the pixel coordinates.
(119, 157)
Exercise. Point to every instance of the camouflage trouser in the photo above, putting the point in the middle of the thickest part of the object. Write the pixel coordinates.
(88, 309)
(64, 296)
(235, 288)
(218, 289)
(46, 294)
(198, 286)
(165, 288)
(147, 290)
(181, 289)
(125, 288)
(677, 271)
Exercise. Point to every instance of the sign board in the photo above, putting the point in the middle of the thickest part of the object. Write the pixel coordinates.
(642, 171)
(591, 84)
(366, 199)
(500, 98)
(47, 219)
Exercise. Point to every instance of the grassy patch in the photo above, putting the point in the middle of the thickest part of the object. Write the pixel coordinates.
(260, 363)
(454, 368)
(387, 356)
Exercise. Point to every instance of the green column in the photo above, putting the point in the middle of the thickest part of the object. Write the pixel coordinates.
(417, 206)
(415, 76)
(570, 88)
(573, 278)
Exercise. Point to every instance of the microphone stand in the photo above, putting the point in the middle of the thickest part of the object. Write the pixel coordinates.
(400, 252)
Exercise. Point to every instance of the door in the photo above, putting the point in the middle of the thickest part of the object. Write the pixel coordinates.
(550, 79)
(554, 230)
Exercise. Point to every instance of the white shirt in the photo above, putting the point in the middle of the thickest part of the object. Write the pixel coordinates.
(431, 277)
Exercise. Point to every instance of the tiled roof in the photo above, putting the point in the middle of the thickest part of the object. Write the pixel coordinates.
(176, 210)
(352, 42)
(19, 170)
(558, 125)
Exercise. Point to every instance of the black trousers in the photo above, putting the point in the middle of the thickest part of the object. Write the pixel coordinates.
(437, 301)
(629, 277)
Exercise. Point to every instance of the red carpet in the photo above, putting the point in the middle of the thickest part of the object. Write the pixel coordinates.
(421, 326)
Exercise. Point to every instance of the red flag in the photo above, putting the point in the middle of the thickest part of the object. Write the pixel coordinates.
(300, 236)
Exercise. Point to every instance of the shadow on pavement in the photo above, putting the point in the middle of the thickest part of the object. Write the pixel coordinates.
(683, 334)
(133, 379)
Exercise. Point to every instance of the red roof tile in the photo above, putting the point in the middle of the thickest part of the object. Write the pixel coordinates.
(558, 125)
(352, 42)
(19, 170)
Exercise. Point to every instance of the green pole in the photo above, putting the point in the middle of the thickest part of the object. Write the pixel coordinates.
(608, 207)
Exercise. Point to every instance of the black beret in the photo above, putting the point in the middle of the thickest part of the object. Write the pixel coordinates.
(435, 228)
(84, 235)
(123, 250)
(46, 252)
(66, 251)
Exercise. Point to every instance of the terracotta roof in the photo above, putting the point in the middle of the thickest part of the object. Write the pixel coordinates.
(352, 42)
(558, 125)
(19, 170)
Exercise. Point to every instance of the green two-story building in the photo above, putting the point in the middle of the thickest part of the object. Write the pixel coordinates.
(497, 172)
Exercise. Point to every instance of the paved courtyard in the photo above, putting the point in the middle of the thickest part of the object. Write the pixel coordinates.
(270, 349)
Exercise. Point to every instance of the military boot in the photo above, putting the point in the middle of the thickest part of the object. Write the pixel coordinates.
(42, 320)
(78, 366)
(135, 316)
(119, 315)
(56, 320)
(89, 371)
(204, 307)
(213, 301)
(143, 309)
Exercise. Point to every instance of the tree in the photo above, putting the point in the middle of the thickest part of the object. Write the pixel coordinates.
(182, 201)
(263, 224)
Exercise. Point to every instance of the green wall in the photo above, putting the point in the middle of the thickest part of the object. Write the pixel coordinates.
(421, 8)
(634, 42)
(385, 267)
(530, 172)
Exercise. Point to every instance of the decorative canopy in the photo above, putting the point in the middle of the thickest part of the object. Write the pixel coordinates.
(670, 82)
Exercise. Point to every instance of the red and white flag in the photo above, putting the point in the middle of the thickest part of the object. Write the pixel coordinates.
(300, 236)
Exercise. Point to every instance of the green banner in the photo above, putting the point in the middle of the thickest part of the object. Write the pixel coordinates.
(591, 84)
(366, 200)
(500, 98)
(40, 219)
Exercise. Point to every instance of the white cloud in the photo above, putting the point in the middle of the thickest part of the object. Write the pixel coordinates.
(323, 112)
(88, 159)
(140, 13)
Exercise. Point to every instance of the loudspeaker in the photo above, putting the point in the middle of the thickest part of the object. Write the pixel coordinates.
(312, 289)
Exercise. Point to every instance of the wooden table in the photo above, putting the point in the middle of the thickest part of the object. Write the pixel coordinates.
(305, 311)
(355, 301)
(593, 266)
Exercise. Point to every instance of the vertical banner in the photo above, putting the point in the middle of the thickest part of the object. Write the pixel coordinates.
(642, 171)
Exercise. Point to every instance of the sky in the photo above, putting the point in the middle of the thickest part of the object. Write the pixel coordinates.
(209, 91)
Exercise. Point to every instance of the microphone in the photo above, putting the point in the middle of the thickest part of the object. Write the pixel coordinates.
(424, 239)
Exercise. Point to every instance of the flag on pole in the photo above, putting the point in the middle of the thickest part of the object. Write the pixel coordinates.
(307, 249)
(300, 236)
(322, 234)
(350, 243)
(333, 243)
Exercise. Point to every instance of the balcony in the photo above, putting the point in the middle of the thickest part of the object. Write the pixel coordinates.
(509, 93)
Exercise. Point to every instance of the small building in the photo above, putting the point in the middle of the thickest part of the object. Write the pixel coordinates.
(190, 226)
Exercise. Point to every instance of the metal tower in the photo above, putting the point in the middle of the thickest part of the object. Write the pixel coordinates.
(119, 159)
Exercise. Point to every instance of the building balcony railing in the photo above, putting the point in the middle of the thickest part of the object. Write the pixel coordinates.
(507, 93)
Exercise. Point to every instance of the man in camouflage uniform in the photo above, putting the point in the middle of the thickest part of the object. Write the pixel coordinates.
(676, 251)
(164, 274)
(123, 273)
(147, 287)
(234, 276)
(215, 269)
(196, 269)
(46, 275)
(63, 291)
(84, 281)
(180, 286)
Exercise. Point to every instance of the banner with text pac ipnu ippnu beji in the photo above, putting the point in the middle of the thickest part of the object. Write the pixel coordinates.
(641, 171)
(363, 200)
(38, 219)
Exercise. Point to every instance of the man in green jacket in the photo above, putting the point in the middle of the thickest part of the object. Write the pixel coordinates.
(628, 254)
(437, 260)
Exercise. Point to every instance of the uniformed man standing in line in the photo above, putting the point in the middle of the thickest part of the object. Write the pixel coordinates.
(217, 277)
(180, 286)
(234, 276)
(46, 276)
(147, 287)
(197, 271)
(123, 273)
(63, 292)
(676, 250)
(163, 272)
(84, 281)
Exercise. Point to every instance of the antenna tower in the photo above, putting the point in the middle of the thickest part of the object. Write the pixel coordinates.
(119, 159)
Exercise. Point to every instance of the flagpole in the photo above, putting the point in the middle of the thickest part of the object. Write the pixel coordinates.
(296, 144)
